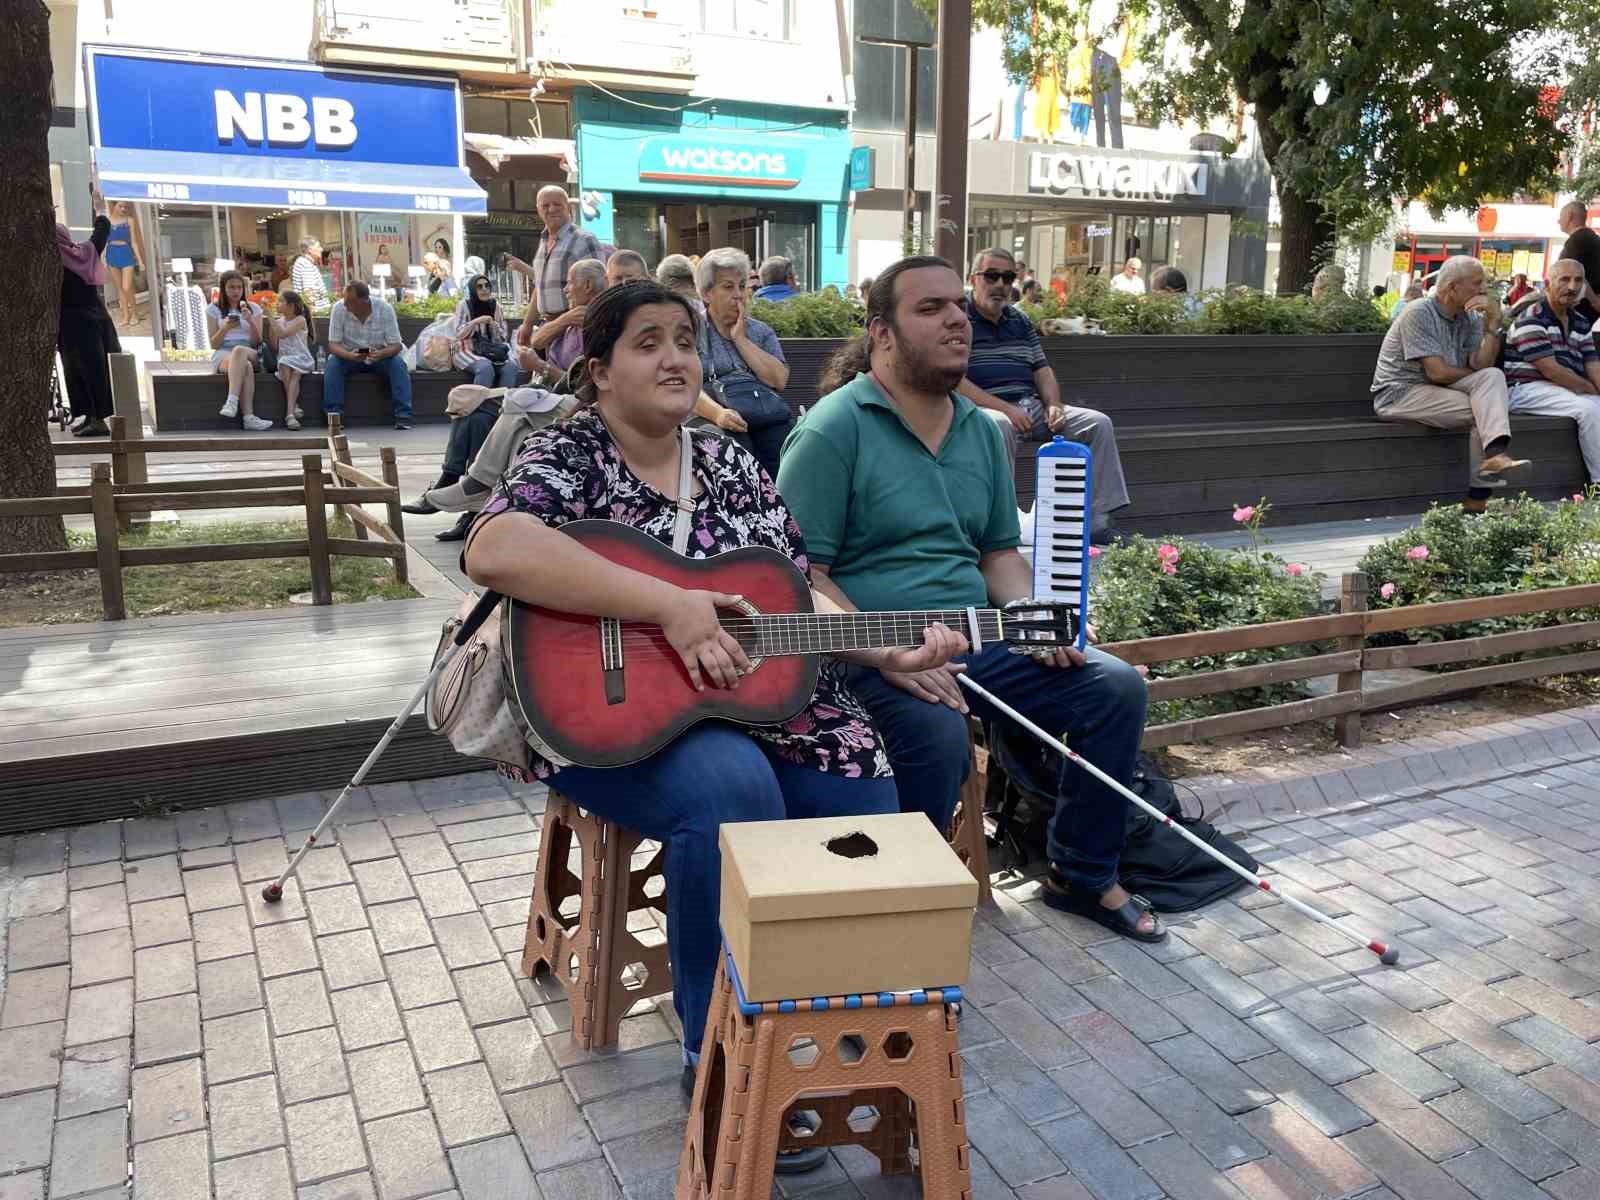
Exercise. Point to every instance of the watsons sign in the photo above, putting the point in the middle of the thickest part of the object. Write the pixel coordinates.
(1127, 178)
(687, 160)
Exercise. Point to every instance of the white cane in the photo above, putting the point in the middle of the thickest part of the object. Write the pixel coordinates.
(273, 892)
(1388, 955)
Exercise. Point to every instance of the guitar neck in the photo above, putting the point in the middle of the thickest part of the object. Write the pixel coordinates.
(766, 635)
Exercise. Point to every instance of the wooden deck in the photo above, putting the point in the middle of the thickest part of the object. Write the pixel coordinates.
(112, 719)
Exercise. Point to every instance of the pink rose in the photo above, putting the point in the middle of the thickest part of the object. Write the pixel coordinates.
(1296, 569)
(1170, 566)
(1417, 553)
(1386, 590)
(1168, 552)
(1094, 551)
(1577, 497)
(1244, 514)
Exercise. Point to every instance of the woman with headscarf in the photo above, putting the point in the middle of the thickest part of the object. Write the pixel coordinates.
(483, 349)
(85, 333)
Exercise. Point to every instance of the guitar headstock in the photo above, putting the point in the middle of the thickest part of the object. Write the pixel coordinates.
(1039, 625)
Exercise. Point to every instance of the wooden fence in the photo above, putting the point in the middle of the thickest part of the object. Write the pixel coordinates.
(112, 500)
(1340, 640)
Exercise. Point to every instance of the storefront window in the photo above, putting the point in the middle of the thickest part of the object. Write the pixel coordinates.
(1077, 244)
(656, 228)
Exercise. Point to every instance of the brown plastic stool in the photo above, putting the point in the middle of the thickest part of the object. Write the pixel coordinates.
(966, 835)
(602, 966)
(874, 1071)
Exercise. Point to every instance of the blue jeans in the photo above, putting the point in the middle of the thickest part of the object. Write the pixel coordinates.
(679, 796)
(391, 368)
(1100, 708)
(485, 373)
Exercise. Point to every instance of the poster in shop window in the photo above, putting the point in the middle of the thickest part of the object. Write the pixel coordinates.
(373, 231)
(1519, 263)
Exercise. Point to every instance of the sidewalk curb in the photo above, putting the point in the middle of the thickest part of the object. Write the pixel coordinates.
(1373, 776)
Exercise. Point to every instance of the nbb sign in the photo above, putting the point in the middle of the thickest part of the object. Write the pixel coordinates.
(282, 119)
(682, 160)
(1126, 178)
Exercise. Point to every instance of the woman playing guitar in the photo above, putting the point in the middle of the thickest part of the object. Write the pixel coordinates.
(619, 459)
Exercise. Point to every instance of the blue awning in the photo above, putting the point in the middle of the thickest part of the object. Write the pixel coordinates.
(271, 182)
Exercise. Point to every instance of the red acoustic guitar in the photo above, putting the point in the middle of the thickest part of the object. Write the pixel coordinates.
(604, 693)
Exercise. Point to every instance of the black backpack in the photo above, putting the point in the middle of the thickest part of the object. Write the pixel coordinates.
(1156, 863)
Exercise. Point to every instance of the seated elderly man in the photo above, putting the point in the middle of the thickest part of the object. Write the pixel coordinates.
(777, 279)
(1552, 367)
(560, 339)
(624, 265)
(1436, 367)
(1010, 379)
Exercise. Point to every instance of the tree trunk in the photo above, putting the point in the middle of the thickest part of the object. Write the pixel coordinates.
(1306, 231)
(33, 275)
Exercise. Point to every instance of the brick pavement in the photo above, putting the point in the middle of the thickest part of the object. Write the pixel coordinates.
(161, 1030)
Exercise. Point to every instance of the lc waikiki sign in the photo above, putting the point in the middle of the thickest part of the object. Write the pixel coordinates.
(1096, 175)
(722, 164)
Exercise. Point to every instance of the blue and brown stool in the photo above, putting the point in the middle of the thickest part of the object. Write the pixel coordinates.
(880, 1071)
(585, 888)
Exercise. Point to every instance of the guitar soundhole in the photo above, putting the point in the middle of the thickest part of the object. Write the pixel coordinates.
(749, 610)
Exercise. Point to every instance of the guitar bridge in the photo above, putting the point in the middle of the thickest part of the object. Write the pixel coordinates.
(611, 660)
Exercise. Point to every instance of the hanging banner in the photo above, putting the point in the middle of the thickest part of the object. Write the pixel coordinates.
(1402, 262)
(1519, 263)
(1536, 267)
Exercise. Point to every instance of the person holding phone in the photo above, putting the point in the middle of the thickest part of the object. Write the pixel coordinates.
(364, 336)
(235, 327)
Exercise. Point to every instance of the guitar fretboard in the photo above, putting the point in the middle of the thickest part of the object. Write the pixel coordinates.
(834, 633)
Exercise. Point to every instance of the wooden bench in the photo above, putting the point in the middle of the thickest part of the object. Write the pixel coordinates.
(188, 399)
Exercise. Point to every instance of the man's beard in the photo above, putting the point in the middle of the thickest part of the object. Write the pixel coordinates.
(914, 368)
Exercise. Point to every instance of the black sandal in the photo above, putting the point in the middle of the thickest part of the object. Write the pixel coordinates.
(1060, 895)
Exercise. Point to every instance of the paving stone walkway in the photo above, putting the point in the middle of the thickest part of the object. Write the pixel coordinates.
(163, 1031)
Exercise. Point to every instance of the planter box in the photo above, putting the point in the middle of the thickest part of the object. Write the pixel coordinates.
(844, 905)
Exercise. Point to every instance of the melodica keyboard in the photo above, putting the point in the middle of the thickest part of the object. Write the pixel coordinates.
(1061, 527)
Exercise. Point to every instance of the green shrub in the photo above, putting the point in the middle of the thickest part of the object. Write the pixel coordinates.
(824, 314)
(1148, 589)
(1516, 546)
(436, 305)
(1237, 310)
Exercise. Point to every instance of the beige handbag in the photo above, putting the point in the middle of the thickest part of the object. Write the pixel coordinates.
(470, 701)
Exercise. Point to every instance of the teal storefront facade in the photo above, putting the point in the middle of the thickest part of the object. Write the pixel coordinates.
(765, 178)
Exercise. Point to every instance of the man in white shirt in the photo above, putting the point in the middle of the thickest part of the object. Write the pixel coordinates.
(1128, 280)
(364, 336)
(307, 274)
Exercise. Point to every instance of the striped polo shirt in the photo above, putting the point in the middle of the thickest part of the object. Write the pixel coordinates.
(1538, 334)
(1005, 354)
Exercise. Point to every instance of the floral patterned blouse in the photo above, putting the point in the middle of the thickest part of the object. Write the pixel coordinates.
(573, 471)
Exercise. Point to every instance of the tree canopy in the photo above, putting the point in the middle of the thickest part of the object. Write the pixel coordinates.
(1435, 100)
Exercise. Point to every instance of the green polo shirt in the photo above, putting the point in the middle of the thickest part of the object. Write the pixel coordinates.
(896, 526)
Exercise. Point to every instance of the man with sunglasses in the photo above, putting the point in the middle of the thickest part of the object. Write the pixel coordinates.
(1009, 378)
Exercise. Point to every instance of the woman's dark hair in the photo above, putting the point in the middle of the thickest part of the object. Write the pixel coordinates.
(608, 313)
(475, 306)
(299, 305)
(441, 247)
(223, 304)
(855, 356)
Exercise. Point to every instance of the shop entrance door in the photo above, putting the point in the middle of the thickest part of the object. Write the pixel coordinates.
(656, 228)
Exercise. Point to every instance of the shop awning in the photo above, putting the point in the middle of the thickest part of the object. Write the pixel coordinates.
(497, 150)
(274, 182)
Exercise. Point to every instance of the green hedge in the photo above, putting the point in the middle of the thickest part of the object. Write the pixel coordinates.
(1145, 588)
(826, 314)
(1518, 545)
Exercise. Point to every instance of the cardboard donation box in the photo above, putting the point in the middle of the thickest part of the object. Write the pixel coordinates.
(844, 905)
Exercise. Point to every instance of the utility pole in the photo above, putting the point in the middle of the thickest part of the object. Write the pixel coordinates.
(910, 46)
(950, 158)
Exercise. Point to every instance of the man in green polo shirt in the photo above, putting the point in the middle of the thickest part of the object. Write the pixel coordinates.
(903, 491)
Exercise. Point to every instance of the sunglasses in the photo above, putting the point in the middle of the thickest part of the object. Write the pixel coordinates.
(1005, 277)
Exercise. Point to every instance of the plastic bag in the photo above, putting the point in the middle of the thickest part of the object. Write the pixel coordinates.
(431, 351)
